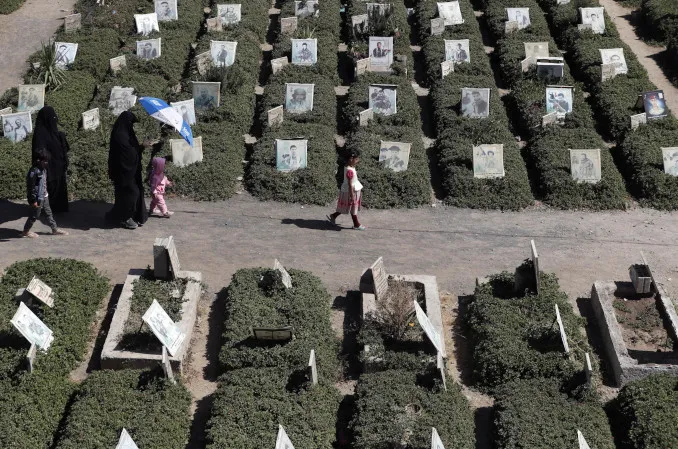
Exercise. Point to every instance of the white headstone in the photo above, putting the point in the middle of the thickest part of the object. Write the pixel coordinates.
(607, 72)
(286, 279)
(278, 64)
(535, 264)
(126, 441)
(437, 26)
(312, 368)
(365, 117)
(283, 441)
(563, 337)
(30, 357)
(118, 63)
(526, 63)
(276, 116)
(40, 290)
(32, 328)
(379, 279)
(637, 120)
(588, 369)
(5, 111)
(428, 328)
(167, 365)
(362, 66)
(91, 119)
(440, 364)
(582, 441)
(446, 67)
(203, 62)
(165, 258)
(436, 442)
(214, 24)
(163, 327)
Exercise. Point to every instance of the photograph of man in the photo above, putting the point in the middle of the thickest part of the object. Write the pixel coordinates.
(223, 53)
(488, 161)
(299, 98)
(475, 102)
(31, 97)
(450, 13)
(670, 161)
(16, 127)
(614, 56)
(559, 100)
(381, 53)
(186, 109)
(146, 23)
(594, 17)
(585, 165)
(230, 14)
(382, 100)
(65, 53)
(166, 10)
(304, 51)
(148, 49)
(655, 106)
(306, 8)
(457, 51)
(519, 15)
(395, 155)
(205, 100)
(183, 154)
(291, 154)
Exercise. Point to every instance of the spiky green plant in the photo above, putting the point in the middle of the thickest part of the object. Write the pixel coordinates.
(45, 69)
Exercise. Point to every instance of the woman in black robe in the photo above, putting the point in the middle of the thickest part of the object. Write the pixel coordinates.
(47, 135)
(124, 169)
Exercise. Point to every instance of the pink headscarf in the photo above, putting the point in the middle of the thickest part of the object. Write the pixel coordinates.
(158, 173)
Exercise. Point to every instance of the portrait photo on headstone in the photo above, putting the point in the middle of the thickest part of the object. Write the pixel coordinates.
(91, 119)
(117, 63)
(670, 157)
(186, 109)
(655, 104)
(559, 100)
(395, 155)
(534, 50)
(381, 53)
(16, 127)
(383, 98)
(149, 49)
(64, 53)
(550, 70)
(457, 51)
(450, 13)
(73, 22)
(585, 165)
(166, 10)
(31, 97)
(519, 15)
(291, 154)
(299, 97)
(164, 328)
(614, 56)
(223, 53)
(488, 161)
(594, 17)
(306, 8)
(475, 102)
(230, 14)
(206, 95)
(146, 23)
(32, 328)
(121, 99)
(304, 51)
(183, 154)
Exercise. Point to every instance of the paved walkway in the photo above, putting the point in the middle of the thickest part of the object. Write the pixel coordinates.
(21, 33)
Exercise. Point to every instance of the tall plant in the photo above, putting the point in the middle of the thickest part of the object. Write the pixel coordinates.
(46, 70)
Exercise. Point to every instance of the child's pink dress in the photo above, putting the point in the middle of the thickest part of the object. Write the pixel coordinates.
(158, 183)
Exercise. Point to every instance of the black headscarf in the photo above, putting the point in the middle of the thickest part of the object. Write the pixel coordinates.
(123, 154)
(47, 135)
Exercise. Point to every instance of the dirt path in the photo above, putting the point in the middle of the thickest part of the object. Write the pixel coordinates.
(21, 33)
(646, 54)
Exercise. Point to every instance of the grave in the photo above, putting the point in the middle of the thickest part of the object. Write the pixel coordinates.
(166, 263)
(639, 330)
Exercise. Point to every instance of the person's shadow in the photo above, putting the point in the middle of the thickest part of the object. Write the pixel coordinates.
(320, 225)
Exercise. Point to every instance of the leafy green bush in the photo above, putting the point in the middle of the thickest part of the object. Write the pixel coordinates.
(397, 404)
(15, 160)
(661, 18)
(645, 412)
(548, 153)
(9, 6)
(536, 413)
(72, 99)
(154, 412)
(95, 49)
(33, 404)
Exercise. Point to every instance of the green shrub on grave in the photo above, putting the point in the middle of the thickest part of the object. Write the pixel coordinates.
(9, 6)
(257, 298)
(15, 160)
(396, 26)
(548, 154)
(33, 404)
(95, 49)
(427, 10)
(250, 403)
(155, 413)
(515, 336)
(537, 413)
(642, 163)
(510, 51)
(434, 54)
(645, 412)
(114, 14)
(496, 17)
(88, 164)
(396, 404)
(660, 18)
(72, 99)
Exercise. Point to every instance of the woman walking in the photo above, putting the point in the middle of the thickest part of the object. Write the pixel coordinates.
(47, 136)
(124, 169)
(350, 194)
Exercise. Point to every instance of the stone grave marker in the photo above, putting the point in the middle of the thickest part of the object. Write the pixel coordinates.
(91, 119)
(640, 277)
(214, 24)
(427, 326)
(379, 279)
(526, 63)
(365, 117)
(437, 26)
(312, 368)
(436, 442)
(282, 441)
(163, 327)
(535, 265)
(446, 68)
(588, 369)
(278, 64)
(440, 364)
(275, 116)
(41, 291)
(6, 111)
(549, 119)
(126, 441)
(273, 333)
(584, 27)
(637, 120)
(511, 26)
(32, 328)
(30, 357)
(117, 63)
(72, 22)
(167, 366)
(286, 279)
(607, 72)
(362, 66)
(165, 258)
(563, 337)
(288, 25)
(203, 62)
(649, 271)
(582, 441)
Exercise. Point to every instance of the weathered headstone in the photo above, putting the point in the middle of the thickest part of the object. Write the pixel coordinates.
(640, 278)
(365, 116)
(275, 116)
(165, 258)
(91, 119)
(607, 71)
(41, 291)
(32, 328)
(7, 110)
(282, 441)
(526, 63)
(563, 337)
(436, 442)
(273, 333)
(312, 368)
(588, 369)
(637, 120)
(72, 22)
(549, 119)
(379, 279)
(214, 24)
(117, 63)
(163, 327)
(167, 366)
(440, 364)
(203, 62)
(584, 27)
(126, 441)
(511, 26)
(362, 66)
(30, 357)
(582, 441)
(286, 279)
(437, 26)
(535, 265)
(278, 64)
(446, 67)
(289, 25)
(428, 328)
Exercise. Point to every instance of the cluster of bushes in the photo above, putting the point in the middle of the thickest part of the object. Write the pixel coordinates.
(457, 135)
(314, 184)
(153, 411)
(660, 18)
(33, 403)
(9, 6)
(384, 188)
(267, 384)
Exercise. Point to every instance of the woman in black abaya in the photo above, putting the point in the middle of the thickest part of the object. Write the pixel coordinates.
(47, 135)
(124, 169)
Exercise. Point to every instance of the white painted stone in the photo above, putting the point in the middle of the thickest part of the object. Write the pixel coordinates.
(428, 328)
(563, 337)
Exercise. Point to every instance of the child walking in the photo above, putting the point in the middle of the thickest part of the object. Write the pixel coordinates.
(36, 189)
(158, 183)
(350, 193)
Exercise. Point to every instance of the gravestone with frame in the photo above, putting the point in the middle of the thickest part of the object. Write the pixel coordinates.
(427, 326)
(163, 328)
(312, 368)
(379, 279)
(286, 279)
(437, 26)
(203, 62)
(165, 259)
(561, 328)
(167, 366)
(511, 26)
(285, 333)
(365, 116)
(526, 63)
(535, 265)
(288, 25)
(214, 25)
(41, 291)
(117, 63)
(275, 116)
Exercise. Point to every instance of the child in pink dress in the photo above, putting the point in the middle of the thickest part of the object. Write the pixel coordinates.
(349, 201)
(158, 183)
